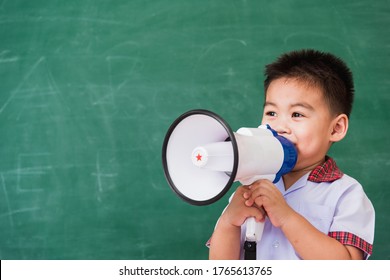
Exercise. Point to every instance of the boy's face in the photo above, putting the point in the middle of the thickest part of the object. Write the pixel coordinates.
(299, 112)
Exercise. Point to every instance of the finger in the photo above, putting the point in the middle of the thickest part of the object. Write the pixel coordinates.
(256, 213)
(255, 192)
(262, 188)
(247, 191)
(260, 205)
(242, 189)
(247, 194)
(258, 182)
(257, 203)
(249, 202)
(259, 191)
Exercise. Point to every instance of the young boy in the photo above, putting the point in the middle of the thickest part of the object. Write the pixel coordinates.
(315, 211)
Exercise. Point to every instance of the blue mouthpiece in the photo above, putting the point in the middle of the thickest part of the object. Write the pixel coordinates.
(290, 155)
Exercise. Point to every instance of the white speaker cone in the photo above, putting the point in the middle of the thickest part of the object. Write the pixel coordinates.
(182, 161)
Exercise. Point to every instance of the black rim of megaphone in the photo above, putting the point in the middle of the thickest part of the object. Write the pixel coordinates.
(235, 156)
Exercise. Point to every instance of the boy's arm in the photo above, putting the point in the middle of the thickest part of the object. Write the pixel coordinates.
(308, 241)
(225, 241)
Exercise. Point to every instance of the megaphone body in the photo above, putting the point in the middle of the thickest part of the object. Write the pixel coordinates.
(203, 157)
(260, 155)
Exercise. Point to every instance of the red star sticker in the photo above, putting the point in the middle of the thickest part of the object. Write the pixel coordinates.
(199, 157)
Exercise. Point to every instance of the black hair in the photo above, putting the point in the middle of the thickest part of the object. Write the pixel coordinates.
(328, 72)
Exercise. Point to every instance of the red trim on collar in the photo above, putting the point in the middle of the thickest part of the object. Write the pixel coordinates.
(327, 172)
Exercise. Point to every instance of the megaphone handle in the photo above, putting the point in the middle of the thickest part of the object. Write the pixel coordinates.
(254, 230)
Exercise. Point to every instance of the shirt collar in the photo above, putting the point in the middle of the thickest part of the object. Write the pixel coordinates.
(326, 172)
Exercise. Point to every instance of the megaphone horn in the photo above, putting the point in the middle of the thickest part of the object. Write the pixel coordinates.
(202, 156)
(192, 142)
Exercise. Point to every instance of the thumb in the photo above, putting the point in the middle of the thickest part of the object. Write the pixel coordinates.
(258, 214)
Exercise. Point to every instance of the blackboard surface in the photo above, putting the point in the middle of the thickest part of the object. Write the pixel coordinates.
(89, 88)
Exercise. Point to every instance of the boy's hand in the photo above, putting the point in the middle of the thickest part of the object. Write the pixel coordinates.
(237, 211)
(265, 195)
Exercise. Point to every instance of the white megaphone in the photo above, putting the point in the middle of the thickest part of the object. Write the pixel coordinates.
(202, 157)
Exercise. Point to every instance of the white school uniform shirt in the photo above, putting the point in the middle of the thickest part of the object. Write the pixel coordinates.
(331, 201)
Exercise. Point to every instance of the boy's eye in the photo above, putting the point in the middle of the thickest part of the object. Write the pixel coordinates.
(270, 114)
(296, 115)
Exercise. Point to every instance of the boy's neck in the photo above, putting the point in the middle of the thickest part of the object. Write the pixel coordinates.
(289, 179)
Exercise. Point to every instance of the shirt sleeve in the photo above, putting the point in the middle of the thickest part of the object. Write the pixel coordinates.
(354, 220)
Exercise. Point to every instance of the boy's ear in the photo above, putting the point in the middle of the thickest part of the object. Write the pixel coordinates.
(339, 128)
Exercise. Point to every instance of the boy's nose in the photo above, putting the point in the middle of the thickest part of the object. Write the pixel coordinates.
(282, 129)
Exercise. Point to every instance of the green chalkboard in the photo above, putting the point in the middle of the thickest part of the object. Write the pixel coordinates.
(89, 88)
